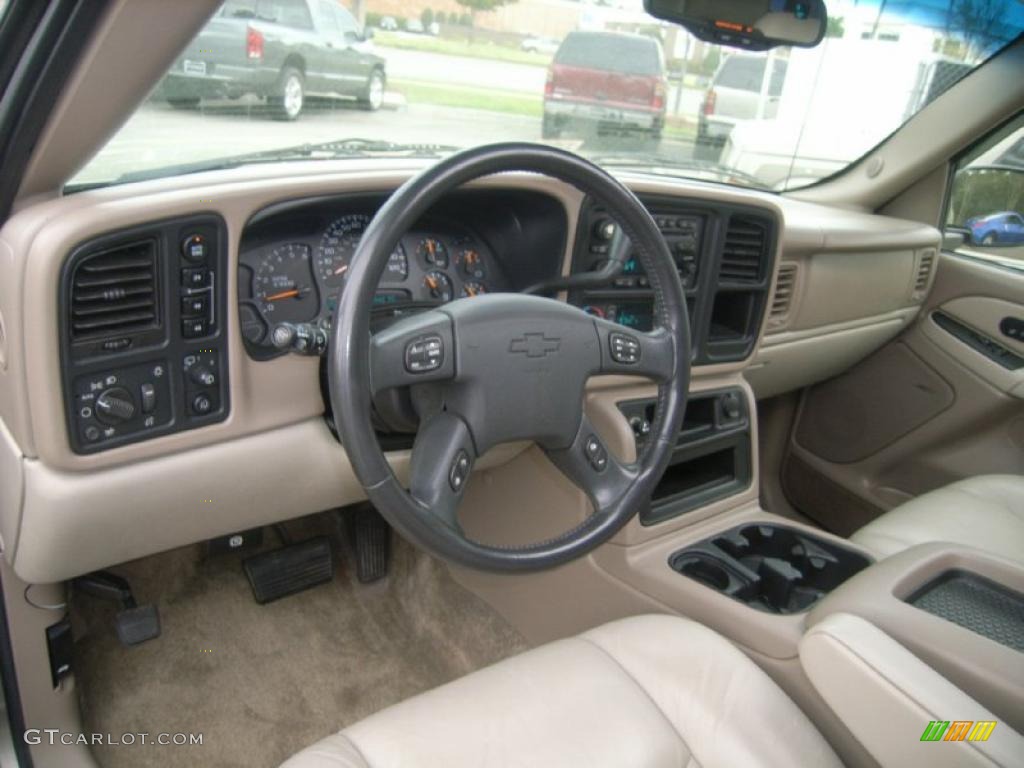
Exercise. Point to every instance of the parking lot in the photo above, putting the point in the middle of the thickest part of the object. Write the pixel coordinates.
(158, 135)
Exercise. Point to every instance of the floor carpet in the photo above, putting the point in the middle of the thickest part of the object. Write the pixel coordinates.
(261, 682)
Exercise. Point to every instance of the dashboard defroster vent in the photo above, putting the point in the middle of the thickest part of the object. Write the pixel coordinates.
(114, 291)
(744, 252)
(785, 285)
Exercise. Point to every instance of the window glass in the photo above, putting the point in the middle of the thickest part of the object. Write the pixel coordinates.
(600, 78)
(291, 13)
(349, 26)
(745, 73)
(986, 202)
(621, 53)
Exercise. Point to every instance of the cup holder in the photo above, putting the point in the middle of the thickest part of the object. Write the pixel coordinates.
(769, 567)
(707, 572)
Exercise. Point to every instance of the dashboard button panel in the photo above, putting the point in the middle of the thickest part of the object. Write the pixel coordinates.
(137, 382)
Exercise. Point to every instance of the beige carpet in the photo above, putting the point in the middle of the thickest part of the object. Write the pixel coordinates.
(261, 682)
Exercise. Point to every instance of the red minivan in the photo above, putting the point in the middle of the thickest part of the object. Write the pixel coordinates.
(605, 80)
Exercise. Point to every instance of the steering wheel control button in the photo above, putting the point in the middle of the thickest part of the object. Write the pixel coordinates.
(625, 349)
(596, 454)
(459, 472)
(424, 354)
(194, 248)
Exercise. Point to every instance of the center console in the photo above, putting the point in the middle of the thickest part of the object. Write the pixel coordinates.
(712, 458)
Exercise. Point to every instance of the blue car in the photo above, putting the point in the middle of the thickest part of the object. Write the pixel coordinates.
(1004, 228)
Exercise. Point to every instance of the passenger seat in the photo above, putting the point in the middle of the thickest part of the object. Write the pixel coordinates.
(985, 512)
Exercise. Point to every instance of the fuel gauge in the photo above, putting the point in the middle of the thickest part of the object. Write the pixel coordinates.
(438, 285)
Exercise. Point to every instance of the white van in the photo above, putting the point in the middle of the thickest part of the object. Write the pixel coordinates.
(746, 86)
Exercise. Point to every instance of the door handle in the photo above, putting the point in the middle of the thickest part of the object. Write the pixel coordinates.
(1012, 327)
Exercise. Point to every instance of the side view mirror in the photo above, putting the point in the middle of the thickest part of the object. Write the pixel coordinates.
(753, 25)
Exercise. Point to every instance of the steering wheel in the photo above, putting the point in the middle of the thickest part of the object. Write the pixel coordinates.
(504, 367)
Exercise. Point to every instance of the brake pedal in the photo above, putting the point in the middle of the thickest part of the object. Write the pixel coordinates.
(134, 623)
(282, 572)
(371, 537)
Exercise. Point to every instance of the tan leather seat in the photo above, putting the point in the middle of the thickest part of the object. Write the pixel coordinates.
(644, 691)
(985, 512)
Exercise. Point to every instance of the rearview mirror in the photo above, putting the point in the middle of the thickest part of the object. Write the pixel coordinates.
(755, 25)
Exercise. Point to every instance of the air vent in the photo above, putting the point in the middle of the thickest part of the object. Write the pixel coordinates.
(114, 291)
(924, 271)
(784, 287)
(744, 251)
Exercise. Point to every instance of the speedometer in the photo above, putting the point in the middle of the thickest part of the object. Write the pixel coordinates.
(282, 286)
(338, 244)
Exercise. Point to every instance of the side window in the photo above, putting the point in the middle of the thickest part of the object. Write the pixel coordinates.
(294, 13)
(329, 25)
(986, 201)
(349, 26)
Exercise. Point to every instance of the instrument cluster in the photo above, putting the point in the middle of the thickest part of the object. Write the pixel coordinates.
(296, 279)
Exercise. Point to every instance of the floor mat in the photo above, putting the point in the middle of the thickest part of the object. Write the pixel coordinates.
(261, 682)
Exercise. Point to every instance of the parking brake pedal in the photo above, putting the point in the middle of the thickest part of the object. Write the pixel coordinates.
(371, 536)
(134, 623)
(291, 569)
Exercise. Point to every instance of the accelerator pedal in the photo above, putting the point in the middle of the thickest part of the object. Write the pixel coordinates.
(282, 572)
(371, 536)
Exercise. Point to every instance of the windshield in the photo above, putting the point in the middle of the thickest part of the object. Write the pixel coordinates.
(272, 80)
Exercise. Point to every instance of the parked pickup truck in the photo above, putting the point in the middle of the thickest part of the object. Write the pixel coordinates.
(282, 51)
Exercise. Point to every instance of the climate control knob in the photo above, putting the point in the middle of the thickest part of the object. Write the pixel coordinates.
(115, 406)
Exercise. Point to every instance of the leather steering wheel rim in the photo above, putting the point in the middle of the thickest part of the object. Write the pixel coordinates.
(495, 351)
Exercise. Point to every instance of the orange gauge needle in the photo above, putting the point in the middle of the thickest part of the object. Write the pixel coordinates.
(432, 282)
(292, 293)
(341, 270)
(430, 248)
(471, 291)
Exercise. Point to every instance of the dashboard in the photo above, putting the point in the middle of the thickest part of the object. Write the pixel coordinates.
(294, 258)
(227, 419)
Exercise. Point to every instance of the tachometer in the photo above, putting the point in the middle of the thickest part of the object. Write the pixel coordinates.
(282, 285)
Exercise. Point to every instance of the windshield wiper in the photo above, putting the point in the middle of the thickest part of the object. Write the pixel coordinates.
(652, 163)
(351, 147)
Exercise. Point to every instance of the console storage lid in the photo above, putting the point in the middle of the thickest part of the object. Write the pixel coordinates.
(977, 659)
(888, 697)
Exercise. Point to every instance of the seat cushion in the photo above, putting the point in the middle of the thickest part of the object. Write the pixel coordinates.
(985, 512)
(643, 691)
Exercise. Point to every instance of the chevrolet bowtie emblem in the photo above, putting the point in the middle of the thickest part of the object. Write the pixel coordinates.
(534, 345)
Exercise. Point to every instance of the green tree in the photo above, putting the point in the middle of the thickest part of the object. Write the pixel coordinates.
(427, 17)
(835, 27)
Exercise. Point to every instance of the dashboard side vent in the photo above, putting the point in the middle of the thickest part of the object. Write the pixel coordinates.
(925, 265)
(745, 250)
(785, 286)
(114, 291)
